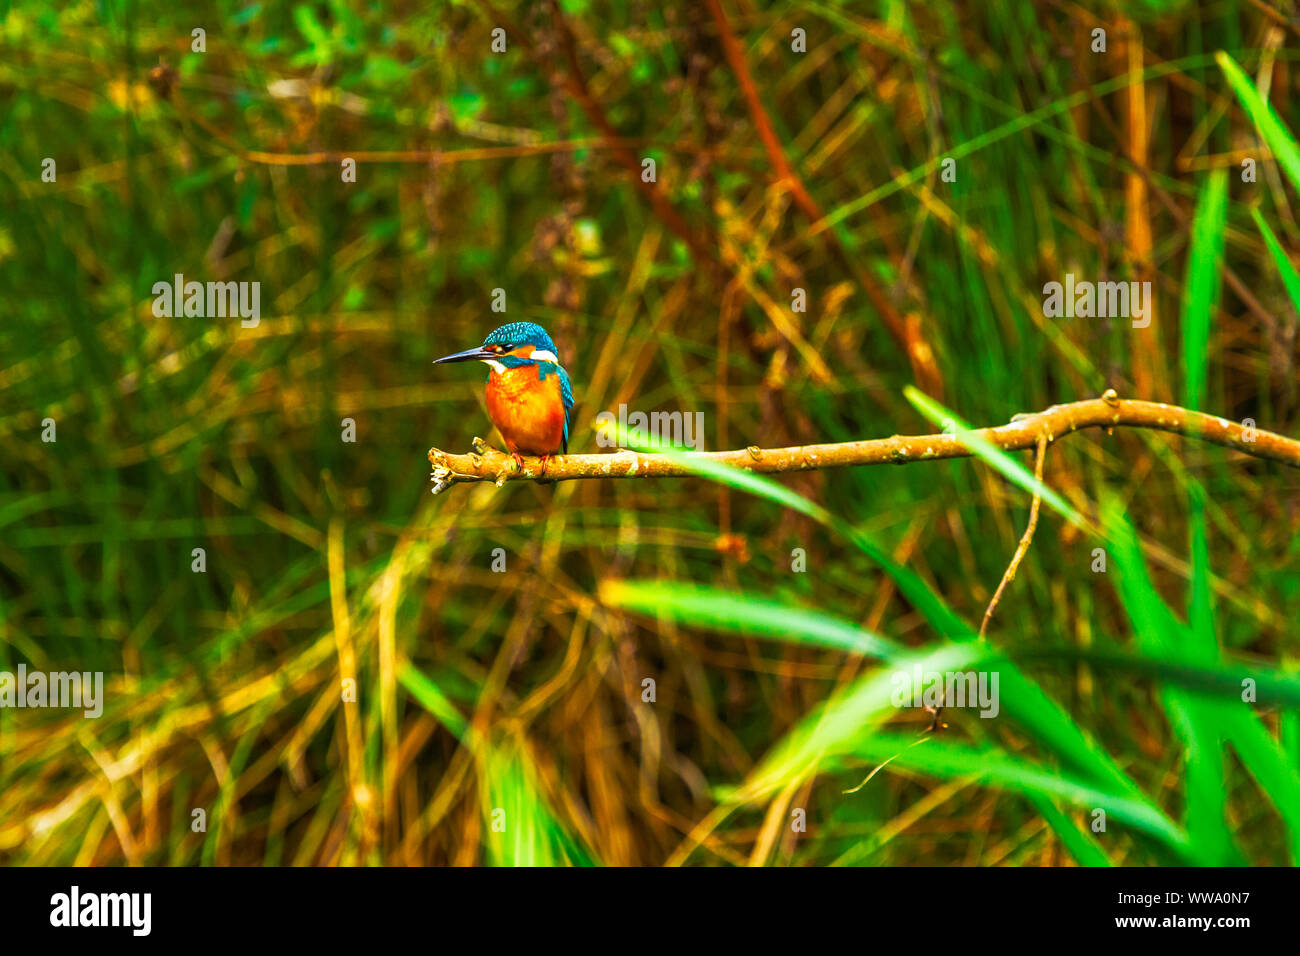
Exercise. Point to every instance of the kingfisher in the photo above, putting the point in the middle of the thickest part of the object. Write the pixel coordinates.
(529, 398)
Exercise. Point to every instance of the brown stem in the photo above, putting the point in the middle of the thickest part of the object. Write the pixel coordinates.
(1021, 549)
(1107, 412)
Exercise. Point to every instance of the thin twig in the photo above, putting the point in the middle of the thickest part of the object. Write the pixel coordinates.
(925, 735)
(1025, 538)
(488, 464)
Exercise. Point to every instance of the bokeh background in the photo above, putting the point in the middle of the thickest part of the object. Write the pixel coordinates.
(518, 698)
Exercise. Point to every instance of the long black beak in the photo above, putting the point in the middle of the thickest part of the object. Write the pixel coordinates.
(469, 355)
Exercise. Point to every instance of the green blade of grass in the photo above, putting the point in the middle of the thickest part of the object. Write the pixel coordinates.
(1034, 709)
(833, 726)
(935, 610)
(1081, 844)
(432, 699)
(1201, 289)
(844, 725)
(1290, 277)
(521, 829)
(1290, 721)
(1158, 635)
(1206, 783)
(1279, 139)
(995, 457)
(1216, 679)
(1005, 771)
(725, 610)
(1198, 718)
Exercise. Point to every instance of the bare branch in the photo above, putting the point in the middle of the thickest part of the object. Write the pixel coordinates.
(488, 464)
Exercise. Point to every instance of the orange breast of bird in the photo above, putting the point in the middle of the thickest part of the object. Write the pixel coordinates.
(527, 409)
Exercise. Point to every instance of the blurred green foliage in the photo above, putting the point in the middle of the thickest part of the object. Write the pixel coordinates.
(328, 561)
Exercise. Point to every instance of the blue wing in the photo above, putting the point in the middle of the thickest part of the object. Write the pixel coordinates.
(566, 393)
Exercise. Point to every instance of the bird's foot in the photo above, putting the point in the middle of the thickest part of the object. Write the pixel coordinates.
(546, 460)
(519, 461)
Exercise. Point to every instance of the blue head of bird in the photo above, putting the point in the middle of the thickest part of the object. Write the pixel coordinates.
(511, 346)
(529, 396)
